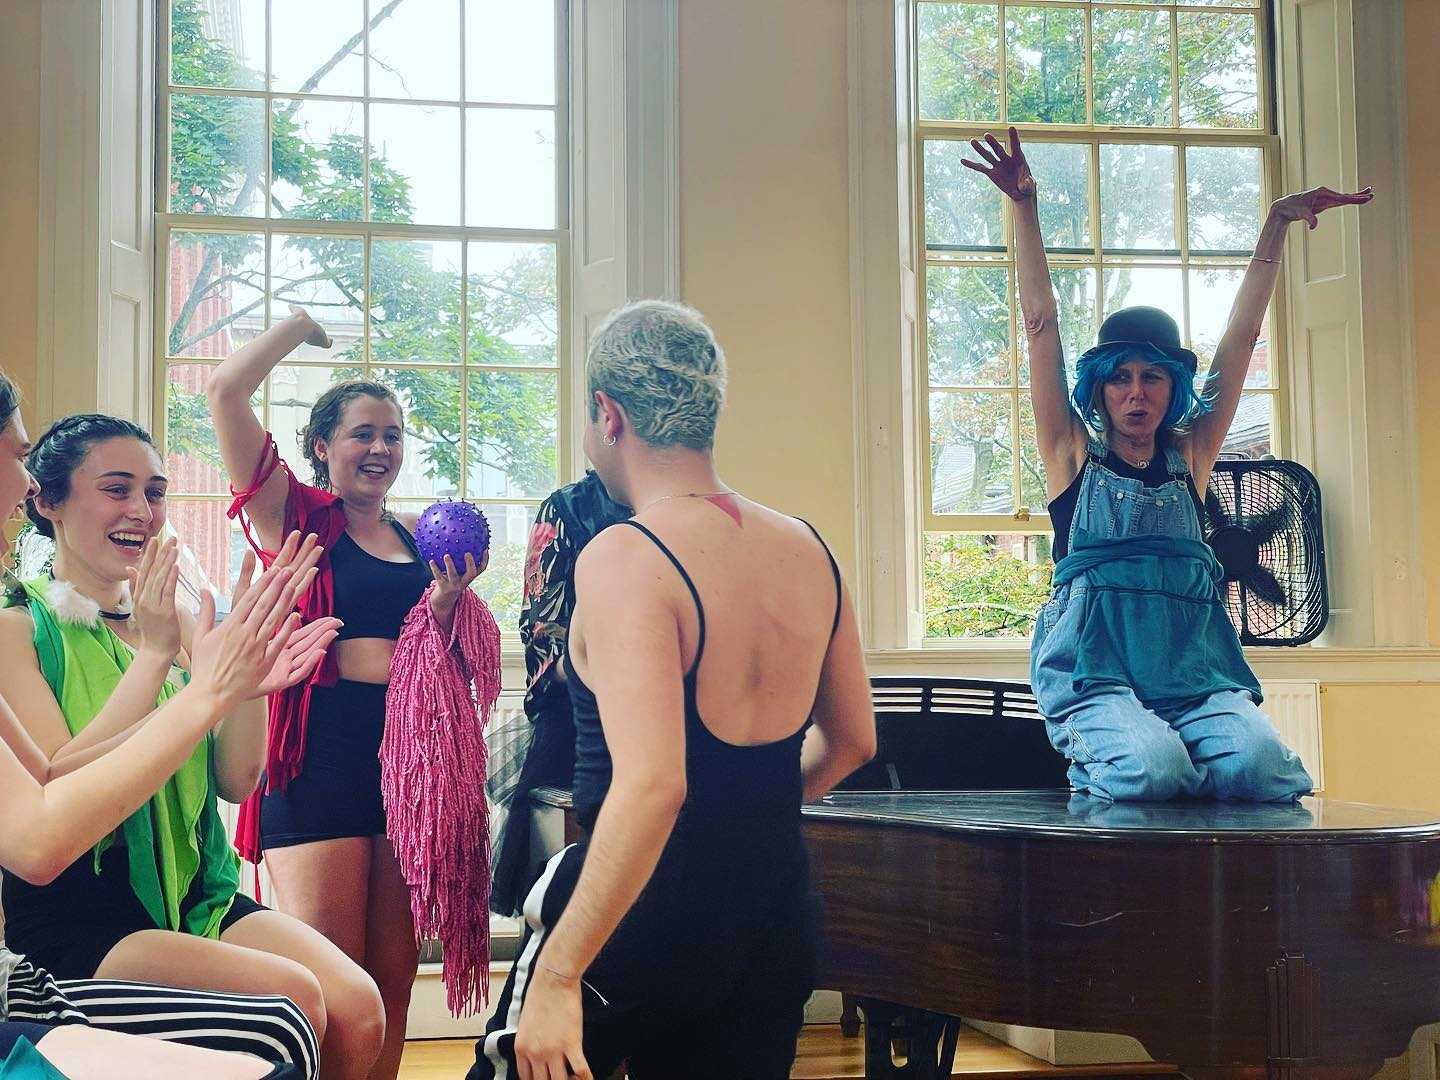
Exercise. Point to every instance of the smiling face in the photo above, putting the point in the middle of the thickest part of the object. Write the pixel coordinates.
(1137, 396)
(116, 503)
(16, 483)
(366, 449)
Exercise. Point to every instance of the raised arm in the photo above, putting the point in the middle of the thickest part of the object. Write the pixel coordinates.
(842, 737)
(1058, 430)
(1226, 377)
(44, 828)
(241, 438)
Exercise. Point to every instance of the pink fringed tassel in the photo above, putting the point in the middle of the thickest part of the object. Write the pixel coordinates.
(432, 777)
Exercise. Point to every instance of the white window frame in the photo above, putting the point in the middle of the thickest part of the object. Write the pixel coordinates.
(1349, 379)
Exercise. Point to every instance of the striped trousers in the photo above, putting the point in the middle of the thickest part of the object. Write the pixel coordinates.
(272, 1027)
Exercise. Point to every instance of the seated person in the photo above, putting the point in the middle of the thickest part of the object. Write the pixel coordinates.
(1135, 665)
(53, 811)
(157, 900)
(716, 680)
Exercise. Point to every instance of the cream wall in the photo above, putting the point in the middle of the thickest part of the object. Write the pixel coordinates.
(20, 193)
(764, 244)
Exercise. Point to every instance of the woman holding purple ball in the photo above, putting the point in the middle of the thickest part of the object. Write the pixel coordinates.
(319, 816)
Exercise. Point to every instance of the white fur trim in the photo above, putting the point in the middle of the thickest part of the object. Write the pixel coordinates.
(71, 605)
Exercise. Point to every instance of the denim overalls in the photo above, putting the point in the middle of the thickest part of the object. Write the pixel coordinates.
(1122, 741)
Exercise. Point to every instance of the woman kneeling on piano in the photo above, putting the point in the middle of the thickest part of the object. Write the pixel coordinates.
(1135, 665)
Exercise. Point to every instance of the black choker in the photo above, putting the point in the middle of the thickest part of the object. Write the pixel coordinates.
(117, 616)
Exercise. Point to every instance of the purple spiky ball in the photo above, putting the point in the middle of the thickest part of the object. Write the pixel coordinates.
(452, 528)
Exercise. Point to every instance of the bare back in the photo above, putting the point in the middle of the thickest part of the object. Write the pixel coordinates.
(770, 597)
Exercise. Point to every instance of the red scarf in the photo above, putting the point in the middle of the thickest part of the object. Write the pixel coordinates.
(307, 509)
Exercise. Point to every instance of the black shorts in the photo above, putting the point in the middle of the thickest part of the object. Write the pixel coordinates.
(69, 926)
(707, 975)
(337, 792)
(12, 1032)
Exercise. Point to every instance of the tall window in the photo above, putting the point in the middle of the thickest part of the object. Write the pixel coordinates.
(1148, 127)
(397, 168)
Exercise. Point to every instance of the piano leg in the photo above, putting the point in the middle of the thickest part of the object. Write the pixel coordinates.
(929, 1041)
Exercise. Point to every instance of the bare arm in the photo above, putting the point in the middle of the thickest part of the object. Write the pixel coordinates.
(842, 737)
(241, 438)
(1059, 431)
(44, 828)
(634, 664)
(1226, 378)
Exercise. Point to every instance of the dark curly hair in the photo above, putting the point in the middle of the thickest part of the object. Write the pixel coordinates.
(325, 419)
(63, 448)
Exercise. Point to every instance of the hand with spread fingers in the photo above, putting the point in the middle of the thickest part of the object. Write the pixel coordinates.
(1009, 171)
(259, 648)
(153, 612)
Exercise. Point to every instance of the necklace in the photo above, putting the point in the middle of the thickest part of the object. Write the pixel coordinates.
(683, 495)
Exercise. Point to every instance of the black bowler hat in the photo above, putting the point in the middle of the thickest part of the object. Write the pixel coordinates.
(1143, 325)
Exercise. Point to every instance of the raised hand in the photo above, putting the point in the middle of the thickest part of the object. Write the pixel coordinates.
(1010, 172)
(152, 597)
(255, 651)
(1307, 206)
(317, 335)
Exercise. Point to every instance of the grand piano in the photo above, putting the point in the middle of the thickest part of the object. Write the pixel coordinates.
(1230, 940)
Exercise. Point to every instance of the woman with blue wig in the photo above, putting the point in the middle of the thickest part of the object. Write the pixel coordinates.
(1136, 667)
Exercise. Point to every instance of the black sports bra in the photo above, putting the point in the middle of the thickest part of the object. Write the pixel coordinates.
(373, 596)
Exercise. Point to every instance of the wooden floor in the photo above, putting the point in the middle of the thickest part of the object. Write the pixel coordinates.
(824, 1054)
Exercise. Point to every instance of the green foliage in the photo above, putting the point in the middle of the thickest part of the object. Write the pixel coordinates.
(414, 303)
(975, 589)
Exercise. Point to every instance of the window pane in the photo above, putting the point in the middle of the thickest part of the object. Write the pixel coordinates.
(1032, 469)
(217, 45)
(415, 301)
(306, 39)
(192, 454)
(431, 398)
(962, 208)
(1251, 431)
(215, 541)
(510, 51)
(415, 53)
(970, 465)
(217, 155)
(1062, 172)
(1126, 286)
(415, 164)
(1222, 185)
(958, 50)
(1131, 51)
(968, 325)
(510, 168)
(326, 276)
(293, 390)
(985, 586)
(503, 583)
(1045, 65)
(1137, 197)
(316, 150)
(1212, 292)
(513, 311)
(215, 289)
(512, 435)
(1076, 294)
(1218, 73)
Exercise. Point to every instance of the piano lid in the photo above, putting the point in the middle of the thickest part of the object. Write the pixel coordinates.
(1078, 817)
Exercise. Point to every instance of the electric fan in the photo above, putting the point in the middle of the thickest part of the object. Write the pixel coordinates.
(1263, 523)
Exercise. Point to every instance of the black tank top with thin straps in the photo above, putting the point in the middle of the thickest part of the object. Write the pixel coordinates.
(373, 595)
(724, 781)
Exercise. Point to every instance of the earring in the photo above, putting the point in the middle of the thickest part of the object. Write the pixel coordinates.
(608, 440)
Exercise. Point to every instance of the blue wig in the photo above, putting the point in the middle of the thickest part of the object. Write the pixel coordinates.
(1098, 364)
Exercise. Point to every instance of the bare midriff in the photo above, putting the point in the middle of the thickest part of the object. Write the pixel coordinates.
(364, 659)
